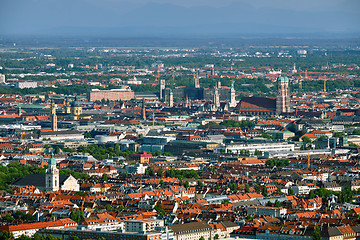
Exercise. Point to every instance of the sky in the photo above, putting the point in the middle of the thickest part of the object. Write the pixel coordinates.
(178, 17)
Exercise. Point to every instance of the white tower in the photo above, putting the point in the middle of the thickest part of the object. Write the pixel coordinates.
(232, 95)
(171, 99)
(52, 176)
(216, 98)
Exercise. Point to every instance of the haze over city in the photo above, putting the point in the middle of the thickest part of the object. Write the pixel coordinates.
(178, 17)
(179, 120)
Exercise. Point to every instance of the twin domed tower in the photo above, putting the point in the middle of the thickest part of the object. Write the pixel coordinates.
(283, 95)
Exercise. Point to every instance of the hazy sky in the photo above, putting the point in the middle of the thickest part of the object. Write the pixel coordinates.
(156, 17)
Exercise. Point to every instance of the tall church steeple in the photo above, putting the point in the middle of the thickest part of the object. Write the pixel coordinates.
(53, 117)
(196, 79)
(232, 95)
(216, 98)
(52, 176)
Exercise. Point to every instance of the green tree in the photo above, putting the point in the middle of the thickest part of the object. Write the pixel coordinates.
(149, 172)
(306, 139)
(160, 172)
(216, 236)
(290, 191)
(104, 178)
(277, 203)
(201, 238)
(258, 152)
(77, 215)
(4, 235)
(265, 192)
(247, 188)
(200, 184)
(338, 134)
(159, 209)
(187, 184)
(57, 150)
(87, 135)
(317, 233)
(8, 218)
(24, 237)
(257, 188)
(37, 237)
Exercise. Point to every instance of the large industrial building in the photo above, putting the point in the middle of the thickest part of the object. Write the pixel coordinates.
(122, 94)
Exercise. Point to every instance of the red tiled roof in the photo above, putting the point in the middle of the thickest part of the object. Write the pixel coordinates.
(257, 104)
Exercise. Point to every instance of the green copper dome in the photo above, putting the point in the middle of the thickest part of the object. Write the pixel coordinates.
(76, 104)
(52, 160)
(283, 79)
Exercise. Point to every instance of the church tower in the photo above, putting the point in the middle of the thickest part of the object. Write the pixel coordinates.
(76, 108)
(162, 87)
(232, 95)
(171, 99)
(52, 176)
(67, 106)
(143, 109)
(53, 117)
(283, 96)
(196, 79)
(216, 98)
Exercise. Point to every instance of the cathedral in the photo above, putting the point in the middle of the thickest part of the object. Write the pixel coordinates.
(267, 105)
(51, 181)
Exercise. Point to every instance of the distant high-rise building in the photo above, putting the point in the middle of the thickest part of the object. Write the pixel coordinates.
(162, 87)
(302, 52)
(283, 96)
(2, 78)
